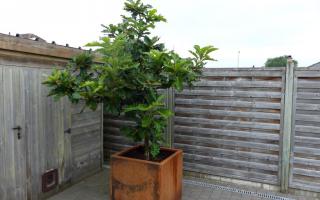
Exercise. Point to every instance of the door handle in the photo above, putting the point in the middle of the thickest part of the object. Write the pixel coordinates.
(18, 128)
(68, 131)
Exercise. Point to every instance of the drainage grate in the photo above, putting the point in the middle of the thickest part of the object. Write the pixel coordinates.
(218, 187)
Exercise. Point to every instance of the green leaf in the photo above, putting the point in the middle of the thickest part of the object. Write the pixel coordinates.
(165, 113)
(179, 84)
(155, 150)
(76, 95)
(93, 44)
(146, 121)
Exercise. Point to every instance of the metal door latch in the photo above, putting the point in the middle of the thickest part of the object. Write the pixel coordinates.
(18, 128)
(68, 131)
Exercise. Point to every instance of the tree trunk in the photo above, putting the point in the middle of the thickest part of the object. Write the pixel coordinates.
(146, 147)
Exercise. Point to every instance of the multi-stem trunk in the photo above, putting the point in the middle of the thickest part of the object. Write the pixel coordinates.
(146, 147)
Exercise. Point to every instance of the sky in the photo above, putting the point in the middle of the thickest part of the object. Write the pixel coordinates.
(258, 29)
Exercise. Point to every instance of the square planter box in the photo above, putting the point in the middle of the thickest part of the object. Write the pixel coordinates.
(135, 179)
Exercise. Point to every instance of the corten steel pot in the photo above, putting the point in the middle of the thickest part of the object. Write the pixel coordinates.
(135, 179)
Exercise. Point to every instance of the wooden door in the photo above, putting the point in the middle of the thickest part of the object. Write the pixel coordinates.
(13, 170)
(52, 135)
(53, 142)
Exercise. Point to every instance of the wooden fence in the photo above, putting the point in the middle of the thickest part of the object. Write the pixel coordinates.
(229, 124)
(305, 162)
(259, 125)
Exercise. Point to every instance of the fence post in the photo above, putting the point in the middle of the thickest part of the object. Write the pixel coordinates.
(170, 124)
(287, 127)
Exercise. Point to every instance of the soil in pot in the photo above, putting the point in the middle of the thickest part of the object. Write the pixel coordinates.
(138, 153)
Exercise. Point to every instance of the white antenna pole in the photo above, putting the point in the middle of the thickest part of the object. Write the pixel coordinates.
(238, 59)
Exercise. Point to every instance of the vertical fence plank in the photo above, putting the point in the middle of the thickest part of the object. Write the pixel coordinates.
(85, 141)
(20, 143)
(9, 137)
(287, 127)
(101, 134)
(67, 164)
(42, 99)
(170, 124)
(30, 132)
(293, 124)
(2, 155)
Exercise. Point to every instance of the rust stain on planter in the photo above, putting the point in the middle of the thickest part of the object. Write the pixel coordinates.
(133, 179)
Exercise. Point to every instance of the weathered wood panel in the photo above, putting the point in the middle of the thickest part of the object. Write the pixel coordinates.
(44, 145)
(242, 72)
(32, 131)
(86, 140)
(2, 136)
(113, 140)
(305, 172)
(13, 151)
(228, 103)
(229, 124)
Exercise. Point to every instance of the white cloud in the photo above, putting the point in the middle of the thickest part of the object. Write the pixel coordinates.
(259, 29)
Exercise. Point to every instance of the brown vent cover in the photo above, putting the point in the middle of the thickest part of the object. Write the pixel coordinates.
(50, 180)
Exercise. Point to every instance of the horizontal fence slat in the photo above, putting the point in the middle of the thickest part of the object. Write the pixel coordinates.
(307, 73)
(308, 95)
(311, 118)
(307, 129)
(231, 93)
(86, 116)
(308, 84)
(307, 140)
(240, 84)
(227, 123)
(306, 150)
(307, 172)
(242, 73)
(305, 185)
(119, 122)
(235, 163)
(228, 113)
(196, 140)
(223, 132)
(92, 127)
(305, 106)
(231, 173)
(226, 103)
(306, 161)
(227, 152)
(119, 139)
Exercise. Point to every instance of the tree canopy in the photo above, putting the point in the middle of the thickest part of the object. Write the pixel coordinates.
(135, 66)
(280, 61)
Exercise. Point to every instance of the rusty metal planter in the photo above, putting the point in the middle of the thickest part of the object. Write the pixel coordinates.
(134, 179)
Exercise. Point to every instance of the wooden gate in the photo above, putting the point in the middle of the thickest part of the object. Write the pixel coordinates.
(38, 134)
(32, 132)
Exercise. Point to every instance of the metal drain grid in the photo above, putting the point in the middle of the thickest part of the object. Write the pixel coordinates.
(218, 187)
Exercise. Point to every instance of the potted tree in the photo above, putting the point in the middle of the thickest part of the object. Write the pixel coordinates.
(135, 66)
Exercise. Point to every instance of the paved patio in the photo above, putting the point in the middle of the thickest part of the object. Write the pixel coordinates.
(96, 188)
